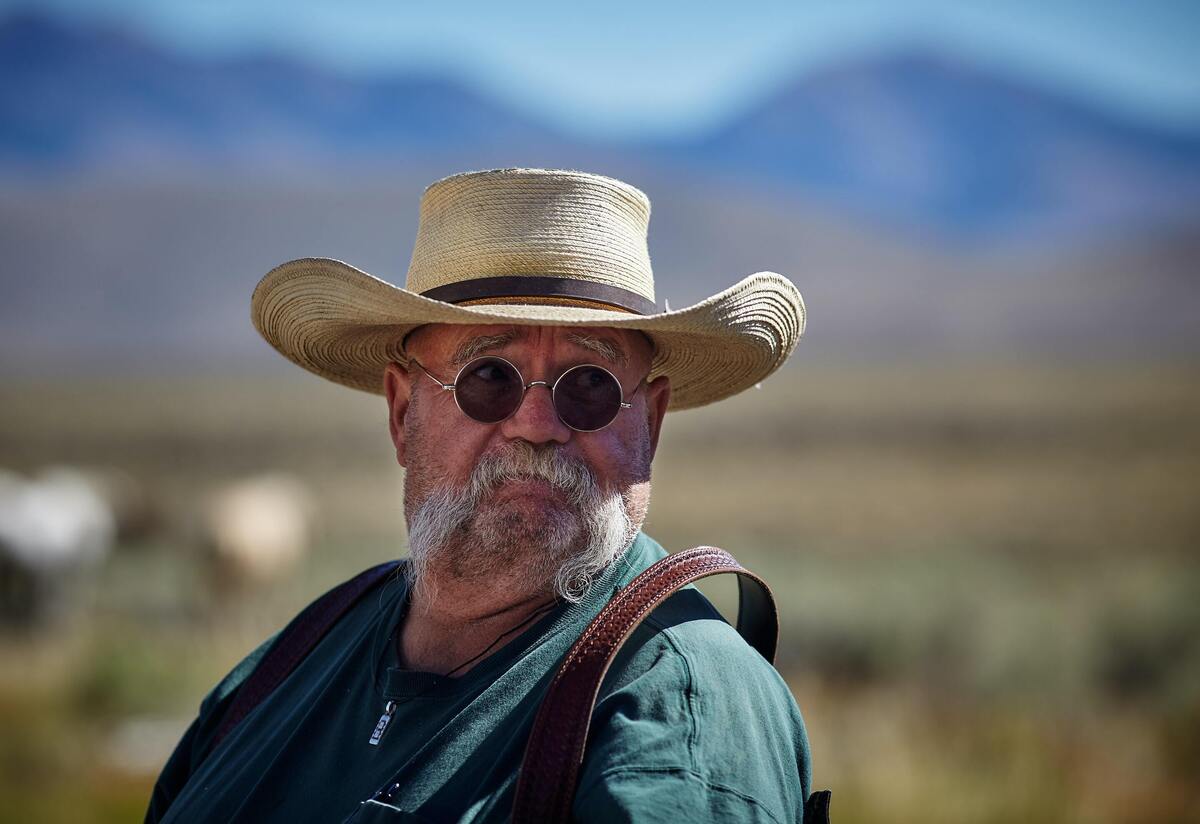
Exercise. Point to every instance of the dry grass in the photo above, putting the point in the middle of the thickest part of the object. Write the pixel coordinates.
(987, 574)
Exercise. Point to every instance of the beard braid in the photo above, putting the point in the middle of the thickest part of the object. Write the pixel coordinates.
(448, 531)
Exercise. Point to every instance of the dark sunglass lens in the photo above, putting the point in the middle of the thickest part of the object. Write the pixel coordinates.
(587, 398)
(488, 389)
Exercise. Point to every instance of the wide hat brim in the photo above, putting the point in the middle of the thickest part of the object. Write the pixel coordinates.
(346, 325)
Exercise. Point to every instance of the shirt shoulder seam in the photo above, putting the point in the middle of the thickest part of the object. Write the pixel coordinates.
(689, 687)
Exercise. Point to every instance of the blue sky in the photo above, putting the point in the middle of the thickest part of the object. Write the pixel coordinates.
(622, 68)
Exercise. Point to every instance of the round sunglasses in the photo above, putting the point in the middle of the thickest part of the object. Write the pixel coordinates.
(490, 389)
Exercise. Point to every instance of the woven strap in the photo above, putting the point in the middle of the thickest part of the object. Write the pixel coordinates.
(550, 771)
(295, 642)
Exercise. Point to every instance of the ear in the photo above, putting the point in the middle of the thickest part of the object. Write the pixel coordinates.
(397, 385)
(658, 397)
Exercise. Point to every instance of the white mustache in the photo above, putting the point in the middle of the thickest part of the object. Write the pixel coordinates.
(524, 461)
(606, 527)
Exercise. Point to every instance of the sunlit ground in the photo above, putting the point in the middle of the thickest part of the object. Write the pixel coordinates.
(987, 576)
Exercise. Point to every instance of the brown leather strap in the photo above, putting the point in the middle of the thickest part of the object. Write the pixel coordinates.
(550, 771)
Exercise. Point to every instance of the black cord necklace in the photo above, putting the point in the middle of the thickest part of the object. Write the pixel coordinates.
(533, 616)
(390, 708)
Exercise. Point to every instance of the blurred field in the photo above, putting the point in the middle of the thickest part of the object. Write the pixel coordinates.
(987, 573)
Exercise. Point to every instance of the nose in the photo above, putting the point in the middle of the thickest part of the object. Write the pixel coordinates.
(535, 419)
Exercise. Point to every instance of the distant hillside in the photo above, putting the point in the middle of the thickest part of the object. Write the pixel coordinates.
(927, 139)
(105, 280)
(924, 207)
(916, 140)
(76, 101)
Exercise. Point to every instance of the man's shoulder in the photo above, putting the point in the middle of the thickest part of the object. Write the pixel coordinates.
(301, 633)
(240, 672)
(691, 712)
(686, 639)
(688, 635)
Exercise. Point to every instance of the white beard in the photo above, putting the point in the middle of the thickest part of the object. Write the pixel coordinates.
(453, 531)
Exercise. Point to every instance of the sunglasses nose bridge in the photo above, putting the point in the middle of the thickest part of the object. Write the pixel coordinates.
(536, 419)
(525, 393)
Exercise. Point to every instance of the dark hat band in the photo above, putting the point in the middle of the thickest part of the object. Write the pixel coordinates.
(517, 286)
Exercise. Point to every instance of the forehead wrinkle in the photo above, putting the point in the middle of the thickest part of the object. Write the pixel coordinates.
(605, 347)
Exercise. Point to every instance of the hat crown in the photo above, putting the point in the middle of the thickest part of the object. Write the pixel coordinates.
(536, 224)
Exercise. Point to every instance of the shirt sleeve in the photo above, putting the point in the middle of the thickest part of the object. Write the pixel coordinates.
(674, 795)
(693, 725)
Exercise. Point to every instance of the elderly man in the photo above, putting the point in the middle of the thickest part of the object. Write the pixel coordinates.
(527, 377)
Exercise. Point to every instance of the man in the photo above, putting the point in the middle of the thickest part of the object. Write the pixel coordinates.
(527, 377)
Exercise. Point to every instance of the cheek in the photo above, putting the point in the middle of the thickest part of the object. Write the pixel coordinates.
(621, 455)
(440, 445)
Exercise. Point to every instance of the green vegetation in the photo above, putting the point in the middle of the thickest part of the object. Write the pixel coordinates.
(987, 576)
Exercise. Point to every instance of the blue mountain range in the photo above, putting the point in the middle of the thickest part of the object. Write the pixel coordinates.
(923, 204)
(914, 139)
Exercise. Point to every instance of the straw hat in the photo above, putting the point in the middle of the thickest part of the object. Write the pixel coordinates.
(530, 247)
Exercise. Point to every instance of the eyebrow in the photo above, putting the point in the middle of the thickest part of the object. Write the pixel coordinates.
(603, 347)
(481, 343)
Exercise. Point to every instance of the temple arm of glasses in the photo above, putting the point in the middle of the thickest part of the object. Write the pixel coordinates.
(636, 389)
(449, 387)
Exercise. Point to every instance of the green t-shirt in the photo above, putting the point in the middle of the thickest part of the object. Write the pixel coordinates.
(690, 721)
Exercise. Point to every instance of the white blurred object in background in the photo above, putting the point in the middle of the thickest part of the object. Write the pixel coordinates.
(257, 528)
(53, 529)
